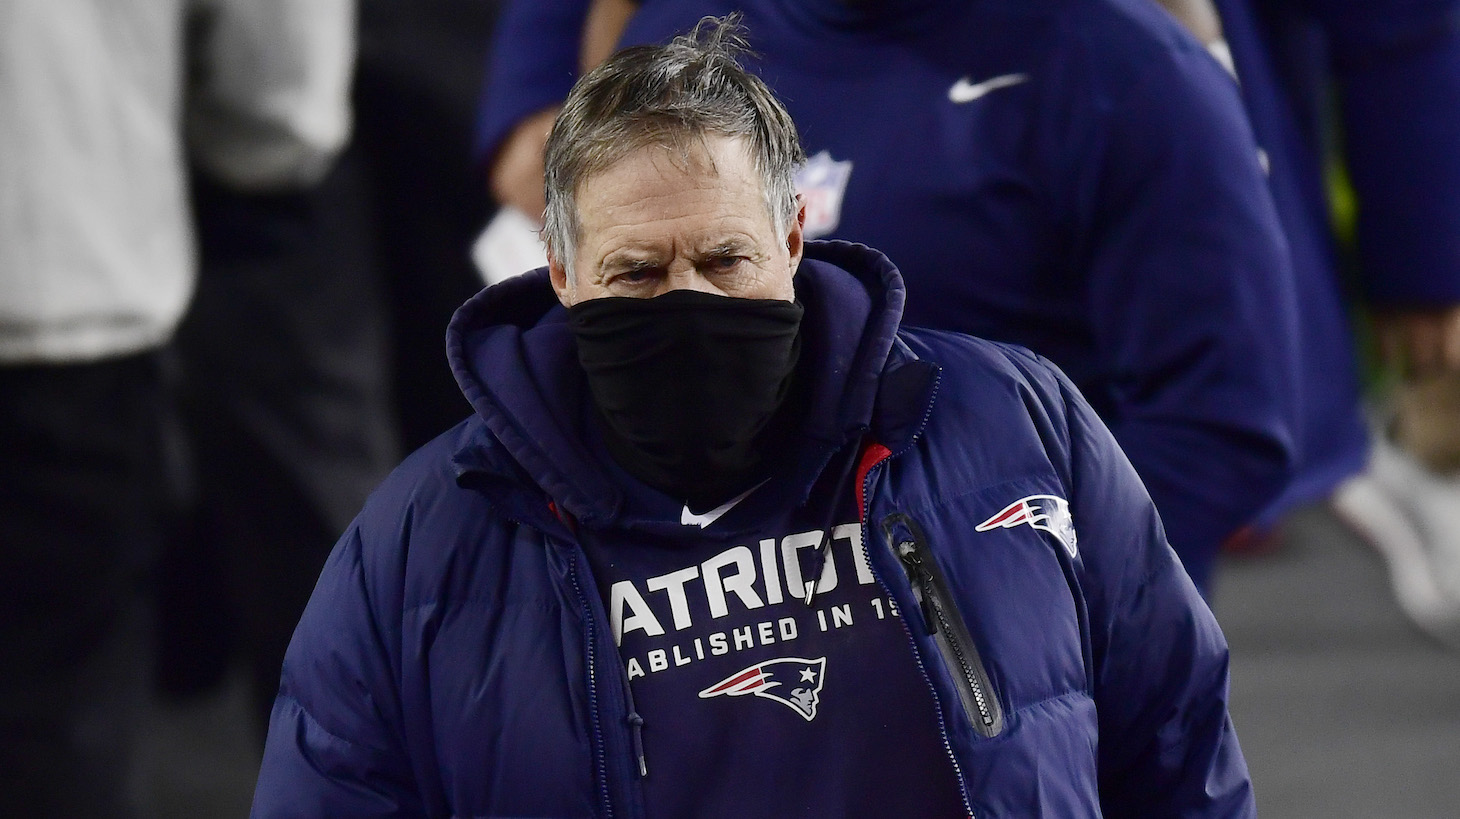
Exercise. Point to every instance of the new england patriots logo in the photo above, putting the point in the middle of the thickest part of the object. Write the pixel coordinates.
(822, 182)
(1045, 512)
(796, 683)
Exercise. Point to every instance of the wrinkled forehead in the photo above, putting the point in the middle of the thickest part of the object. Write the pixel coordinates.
(682, 153)
(722, 163)
(660, 181)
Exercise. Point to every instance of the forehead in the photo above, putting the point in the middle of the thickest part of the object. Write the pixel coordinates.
(712, 181)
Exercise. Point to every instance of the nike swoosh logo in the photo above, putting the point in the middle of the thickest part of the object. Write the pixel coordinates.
(966, 91)
(689, 518)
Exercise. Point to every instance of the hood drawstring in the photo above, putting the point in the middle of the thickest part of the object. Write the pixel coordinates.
(635, 722)
(819, 559)
(636, 733)
(636, 730)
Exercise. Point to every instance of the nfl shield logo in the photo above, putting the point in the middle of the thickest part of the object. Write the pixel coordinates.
(821, 183)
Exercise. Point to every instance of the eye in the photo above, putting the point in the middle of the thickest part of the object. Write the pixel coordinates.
(636, 277)
(724, 263)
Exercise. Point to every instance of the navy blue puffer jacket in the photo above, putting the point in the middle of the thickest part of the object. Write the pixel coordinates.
(456, 659)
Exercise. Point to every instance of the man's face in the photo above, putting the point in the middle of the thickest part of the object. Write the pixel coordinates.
(648, 226)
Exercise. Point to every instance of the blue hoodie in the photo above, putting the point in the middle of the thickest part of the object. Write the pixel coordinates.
(457, 660)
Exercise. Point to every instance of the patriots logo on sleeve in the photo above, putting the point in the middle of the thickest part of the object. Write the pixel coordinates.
(791, 681)
(1044, 512)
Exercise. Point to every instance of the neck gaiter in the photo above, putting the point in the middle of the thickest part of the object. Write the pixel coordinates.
(687, 384)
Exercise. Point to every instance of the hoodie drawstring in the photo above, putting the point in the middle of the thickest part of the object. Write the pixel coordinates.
(636, 732)
(819, 561)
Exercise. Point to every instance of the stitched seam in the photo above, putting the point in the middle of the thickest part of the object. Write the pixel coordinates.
(1047, 701)
(303, 709)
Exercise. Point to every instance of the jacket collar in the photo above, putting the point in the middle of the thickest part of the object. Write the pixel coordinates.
(514, 357)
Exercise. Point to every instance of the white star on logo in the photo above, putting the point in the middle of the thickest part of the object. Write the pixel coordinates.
(808, 675)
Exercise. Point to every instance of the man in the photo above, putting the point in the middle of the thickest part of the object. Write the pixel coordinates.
(103, 102)
(1077, 177)
(723, 540)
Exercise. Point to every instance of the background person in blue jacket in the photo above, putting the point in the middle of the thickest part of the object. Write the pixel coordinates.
(1369, 87)
(722, 539)
(1376, 83)
(1075, 176)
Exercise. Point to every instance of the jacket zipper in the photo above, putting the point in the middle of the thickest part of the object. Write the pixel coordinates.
(590, 636)
(909, 544)
(913, 644)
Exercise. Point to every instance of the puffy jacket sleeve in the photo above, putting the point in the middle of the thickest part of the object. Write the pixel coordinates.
(1160, 663)
(335, 744)
(1192, 302)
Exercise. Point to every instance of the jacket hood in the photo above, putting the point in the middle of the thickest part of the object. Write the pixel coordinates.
(515, 358)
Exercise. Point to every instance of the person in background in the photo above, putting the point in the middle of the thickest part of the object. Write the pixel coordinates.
(1369, 89)
(1076, 177)
(416, 95)
(103, 103)
(708, 545)
(282, 385)
(311, 357)
(1374, 85)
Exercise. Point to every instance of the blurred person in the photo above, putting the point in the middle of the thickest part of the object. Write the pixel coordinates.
(1075, 177)
(416, 93)
(312, 354)
(284, 395)
(1391, 71)
(96, 267)
(494, 635)
(1330, 430)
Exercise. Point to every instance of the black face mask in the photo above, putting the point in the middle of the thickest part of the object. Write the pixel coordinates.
(687, 385)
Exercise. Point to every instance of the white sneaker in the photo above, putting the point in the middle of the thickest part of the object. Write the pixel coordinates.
(1412, 517)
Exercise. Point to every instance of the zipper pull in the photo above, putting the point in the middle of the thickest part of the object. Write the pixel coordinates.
(907, 552)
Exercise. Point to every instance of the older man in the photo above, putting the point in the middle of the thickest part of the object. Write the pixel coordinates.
(722, 539)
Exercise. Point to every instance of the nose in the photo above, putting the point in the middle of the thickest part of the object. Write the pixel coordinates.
(685, 276)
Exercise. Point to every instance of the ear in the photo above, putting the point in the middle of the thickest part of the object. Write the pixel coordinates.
(559, 276)
(795, 239)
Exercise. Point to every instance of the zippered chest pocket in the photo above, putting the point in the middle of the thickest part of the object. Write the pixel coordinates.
(943, 622)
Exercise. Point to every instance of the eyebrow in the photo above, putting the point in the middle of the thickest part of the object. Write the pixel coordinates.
(641, 258)
(628, 259)
(729, 247)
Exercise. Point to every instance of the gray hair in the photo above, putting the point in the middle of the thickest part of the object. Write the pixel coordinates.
(670, 96)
